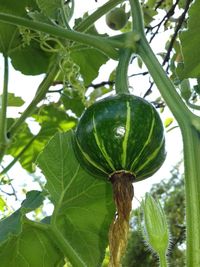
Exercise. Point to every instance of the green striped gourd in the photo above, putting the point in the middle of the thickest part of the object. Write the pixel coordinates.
(120, 133)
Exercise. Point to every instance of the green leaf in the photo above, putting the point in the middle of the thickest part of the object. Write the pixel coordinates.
(83, 205)
(12, 225)
(89, 61)
(22, 244)
(51, 119)
(2, 204)
(151, 3)
(49, 8)
(55, 10)
(33, 248)
(9, 34)
(21, 140)
(72, 101)
(15, 101)
(190, 49)
(168, 121)
(30, 59)
(33, 200)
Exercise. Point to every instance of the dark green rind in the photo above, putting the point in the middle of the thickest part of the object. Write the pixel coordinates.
(123, 132)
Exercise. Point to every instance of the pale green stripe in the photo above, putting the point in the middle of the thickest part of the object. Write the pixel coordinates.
(90, 160)
(153, 155)
(127, 131)
(146, 143)
(102, 147)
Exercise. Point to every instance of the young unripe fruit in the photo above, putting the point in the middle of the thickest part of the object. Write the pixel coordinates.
(120, 133)
(117, 18)
(120, 138)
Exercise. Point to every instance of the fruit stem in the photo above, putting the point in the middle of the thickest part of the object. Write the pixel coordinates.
(119, 229)
(121, 82)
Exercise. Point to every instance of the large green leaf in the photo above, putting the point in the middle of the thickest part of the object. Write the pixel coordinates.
(9, 34)
(83, 205)
(12, 225)
(89, 61)
(30, 59)
(33, 248)
(22, 244)
(190, 40)
(72, 101)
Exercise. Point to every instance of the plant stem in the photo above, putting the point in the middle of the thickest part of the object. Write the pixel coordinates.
(64, 16)
(191, 145)
(190, 128)
(193, 106)
(38, 225)
(104, 44)
(40, 94)
(121, 81)
(3, 110)
(137, 15)
(65, 247)
(164, 84)
(163, 260)
(58, 238)
(89, 21)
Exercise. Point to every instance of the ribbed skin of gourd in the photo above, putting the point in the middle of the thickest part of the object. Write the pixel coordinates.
(123, 132)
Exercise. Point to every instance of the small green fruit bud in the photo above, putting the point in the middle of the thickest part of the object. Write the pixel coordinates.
(156, 228)
(117, 18)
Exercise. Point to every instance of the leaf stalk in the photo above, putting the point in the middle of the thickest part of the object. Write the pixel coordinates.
(3, 111)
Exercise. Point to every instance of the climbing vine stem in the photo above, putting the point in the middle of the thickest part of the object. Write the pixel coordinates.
(106, 45)
(189, 125)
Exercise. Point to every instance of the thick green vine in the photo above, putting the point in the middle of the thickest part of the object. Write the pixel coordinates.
(189, 125)
(110, 49)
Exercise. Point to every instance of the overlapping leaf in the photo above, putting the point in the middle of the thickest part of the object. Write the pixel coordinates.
(33, 248)
(12, 225)
(89, 61)
(51, 119)
(30, 60)
(83, 205)
(24, 245)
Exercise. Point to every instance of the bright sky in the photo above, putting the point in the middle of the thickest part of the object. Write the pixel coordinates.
(25, 86)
